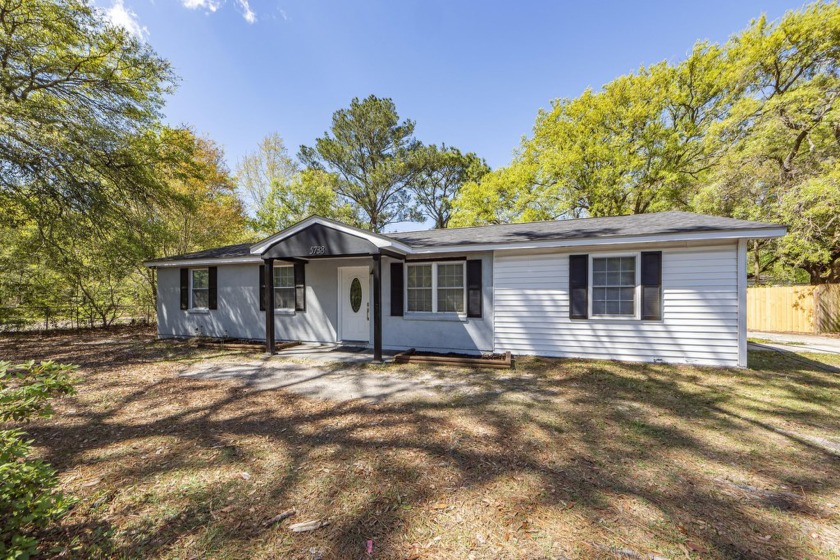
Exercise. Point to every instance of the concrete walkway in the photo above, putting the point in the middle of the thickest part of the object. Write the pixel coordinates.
(328, 372)
(795, 342)
(323, 379)
(342, 373)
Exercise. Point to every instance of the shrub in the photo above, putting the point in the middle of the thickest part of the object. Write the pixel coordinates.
(28, 499)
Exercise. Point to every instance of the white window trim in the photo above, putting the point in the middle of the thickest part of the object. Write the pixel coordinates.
(637, 315)
(192, 306)
(284, 309)
(434, 311)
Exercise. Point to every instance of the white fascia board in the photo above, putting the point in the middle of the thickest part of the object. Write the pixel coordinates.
(379, 241)
(655, 238)
(203, 262)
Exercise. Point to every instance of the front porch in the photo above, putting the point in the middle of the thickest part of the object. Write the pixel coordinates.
(322, 281)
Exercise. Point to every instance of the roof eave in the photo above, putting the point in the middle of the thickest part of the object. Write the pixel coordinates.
(201, 261)
(758, 233)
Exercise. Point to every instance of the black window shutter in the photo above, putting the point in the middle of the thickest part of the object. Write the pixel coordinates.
(185, 288)
(397, 289)
(262, 287)
(300, 286)
(212, 293)
(578, 286)
(652, 285)
(474, 288)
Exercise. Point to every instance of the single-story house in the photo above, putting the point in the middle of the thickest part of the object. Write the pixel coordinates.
(664, 287)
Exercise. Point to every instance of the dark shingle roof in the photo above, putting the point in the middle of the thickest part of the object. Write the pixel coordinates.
(584, 228)
(226, 252)
(636, 224)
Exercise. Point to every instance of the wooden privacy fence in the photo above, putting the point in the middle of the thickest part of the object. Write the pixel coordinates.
(805, 309)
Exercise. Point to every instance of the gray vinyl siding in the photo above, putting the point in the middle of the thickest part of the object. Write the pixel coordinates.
(700, 311)
(467, 335)
(238, 314)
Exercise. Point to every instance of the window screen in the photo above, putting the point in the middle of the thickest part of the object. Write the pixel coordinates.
(419, 288)
(284, 287)
(200, 288)
(614, 286)
(450, 288)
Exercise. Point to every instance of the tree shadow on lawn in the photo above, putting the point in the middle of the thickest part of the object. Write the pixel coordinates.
(586, 459)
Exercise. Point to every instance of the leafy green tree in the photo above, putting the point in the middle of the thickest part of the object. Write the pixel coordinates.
(74, 93)
(280, 193)
(91, 270)
(203, 210)
(28, 499)
(638, 145)
(814, 246)
(748, 129)
(310, 192)
(781, 164)
(443, 171)
(268, 168)
(374, 157)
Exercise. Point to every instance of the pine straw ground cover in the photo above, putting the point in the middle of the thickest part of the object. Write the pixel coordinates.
(559, 459)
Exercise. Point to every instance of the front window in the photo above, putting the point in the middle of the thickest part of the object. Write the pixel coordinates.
(200, 287)
(614, 286)
(450, 288)
(420, 288)
(284, 287)
(435, 288)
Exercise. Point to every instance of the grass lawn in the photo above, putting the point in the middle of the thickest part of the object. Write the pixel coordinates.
(569, 459)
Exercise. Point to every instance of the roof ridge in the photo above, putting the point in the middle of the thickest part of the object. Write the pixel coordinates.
(557, 220)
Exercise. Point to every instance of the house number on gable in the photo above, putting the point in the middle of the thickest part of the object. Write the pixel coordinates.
(317, 250)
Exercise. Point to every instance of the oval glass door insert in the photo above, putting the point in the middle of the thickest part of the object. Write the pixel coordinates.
(355, 295)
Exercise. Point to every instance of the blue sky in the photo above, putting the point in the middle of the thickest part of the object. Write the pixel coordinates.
(471, 74)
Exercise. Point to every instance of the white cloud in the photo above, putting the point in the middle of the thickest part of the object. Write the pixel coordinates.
(213, 5)
(209, 5)
(247, 12)
(121, 16)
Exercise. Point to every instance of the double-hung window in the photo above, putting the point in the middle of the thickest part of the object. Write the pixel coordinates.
(199, 288)
(436, 288)
(614, 286)
(284, 287)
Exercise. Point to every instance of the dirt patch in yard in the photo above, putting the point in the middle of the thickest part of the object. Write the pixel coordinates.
(558, 459)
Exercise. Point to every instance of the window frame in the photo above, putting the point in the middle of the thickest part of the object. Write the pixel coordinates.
(636, 316)
(292, 287)
(192, 306)
(434, 288)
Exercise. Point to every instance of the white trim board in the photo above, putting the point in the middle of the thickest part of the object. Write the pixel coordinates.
(197, 263)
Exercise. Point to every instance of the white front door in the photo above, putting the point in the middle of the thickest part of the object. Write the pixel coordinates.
(354, 304)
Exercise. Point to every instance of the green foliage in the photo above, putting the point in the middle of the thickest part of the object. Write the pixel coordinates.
(374, 159)
(25, 389)
(636, 146)
(310, 192)
(63, 63)
(28, 499)
(94, 265)
(748, 129)
(443, 172)
(281, 194)
(269, 167)
(91, 182)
